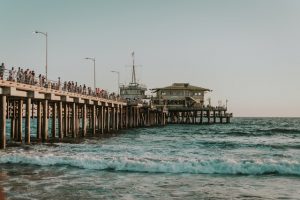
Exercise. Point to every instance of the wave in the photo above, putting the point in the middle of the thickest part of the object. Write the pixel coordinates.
(262, 132)
(150, 165)
(280, 130)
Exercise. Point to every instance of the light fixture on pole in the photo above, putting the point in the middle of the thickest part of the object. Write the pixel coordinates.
(226, 103)
(46, 36)
(94, 60)
(118, 73)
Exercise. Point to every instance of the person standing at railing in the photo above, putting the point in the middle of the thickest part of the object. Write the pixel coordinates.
(2, 68)
(80, 89)
(22, 74)
(58, 84)
(19, 75)
(12, 74)
(26, 76)
(84, 89)
(40, 80)
(32, 78)
(65, 86)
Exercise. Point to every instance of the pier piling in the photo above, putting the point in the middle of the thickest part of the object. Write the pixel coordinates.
(2, 122)
(20, 120)
(27, 121)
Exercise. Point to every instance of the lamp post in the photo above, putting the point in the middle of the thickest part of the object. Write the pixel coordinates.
(118, 73)
(46, 36)
(226, 103)
(94, 60)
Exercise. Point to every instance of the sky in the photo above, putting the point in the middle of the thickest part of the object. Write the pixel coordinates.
(246, 51)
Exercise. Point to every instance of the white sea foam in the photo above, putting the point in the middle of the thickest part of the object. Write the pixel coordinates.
(144, 163)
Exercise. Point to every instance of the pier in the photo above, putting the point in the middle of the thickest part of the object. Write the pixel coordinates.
(72, 115)
(185, 105)
(202, 115)
(70, 111)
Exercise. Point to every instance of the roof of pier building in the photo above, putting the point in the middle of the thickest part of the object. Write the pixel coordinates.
(182, 86)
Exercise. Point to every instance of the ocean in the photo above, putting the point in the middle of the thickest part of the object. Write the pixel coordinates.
(251, 158)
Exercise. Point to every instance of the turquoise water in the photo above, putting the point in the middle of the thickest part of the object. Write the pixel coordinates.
(251, 158)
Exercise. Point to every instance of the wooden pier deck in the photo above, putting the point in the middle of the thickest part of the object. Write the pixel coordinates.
(61, 114)
(198, 115)
(71, 114)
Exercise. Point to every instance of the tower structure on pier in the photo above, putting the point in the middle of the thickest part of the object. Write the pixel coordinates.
(134, 91)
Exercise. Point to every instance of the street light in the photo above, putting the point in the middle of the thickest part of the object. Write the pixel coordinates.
(226, 103)
(118, 73)
(46, 36)
(94, 60)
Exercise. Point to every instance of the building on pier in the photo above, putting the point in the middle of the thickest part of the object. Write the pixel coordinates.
(180, 95)
(185, 104)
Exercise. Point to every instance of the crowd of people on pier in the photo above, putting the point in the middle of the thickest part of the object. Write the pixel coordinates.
(29, 77)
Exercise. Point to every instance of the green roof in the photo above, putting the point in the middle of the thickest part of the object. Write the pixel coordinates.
(180, 86)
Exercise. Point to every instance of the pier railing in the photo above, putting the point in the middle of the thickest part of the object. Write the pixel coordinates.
(52, 86)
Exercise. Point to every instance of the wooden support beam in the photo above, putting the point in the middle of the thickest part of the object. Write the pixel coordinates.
(208, 116)
(2, 122)
(117, 118)
(121, 117)
(148, 117)
(76, 119)
(215, 117)
(201, 117)
(13, 122)
(60, 121)
(102, 119)
(113, 113)
(54, 120)
(45, 121)
(65, 120)
(94, 120)
(107, 119)
(99, 119)
(84, 120)
(126, 117)
(73, 124)
(39, 120)
(20, 120)
(27, 121)
(132, 117)
(136, 117)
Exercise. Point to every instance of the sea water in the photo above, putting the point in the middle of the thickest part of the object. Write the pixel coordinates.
(251, 158)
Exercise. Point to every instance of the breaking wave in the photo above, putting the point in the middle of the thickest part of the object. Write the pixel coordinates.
(150, 165)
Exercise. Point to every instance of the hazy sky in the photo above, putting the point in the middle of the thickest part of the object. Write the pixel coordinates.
(245, 51)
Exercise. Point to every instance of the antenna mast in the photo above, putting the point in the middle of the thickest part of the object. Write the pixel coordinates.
(133, 78)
